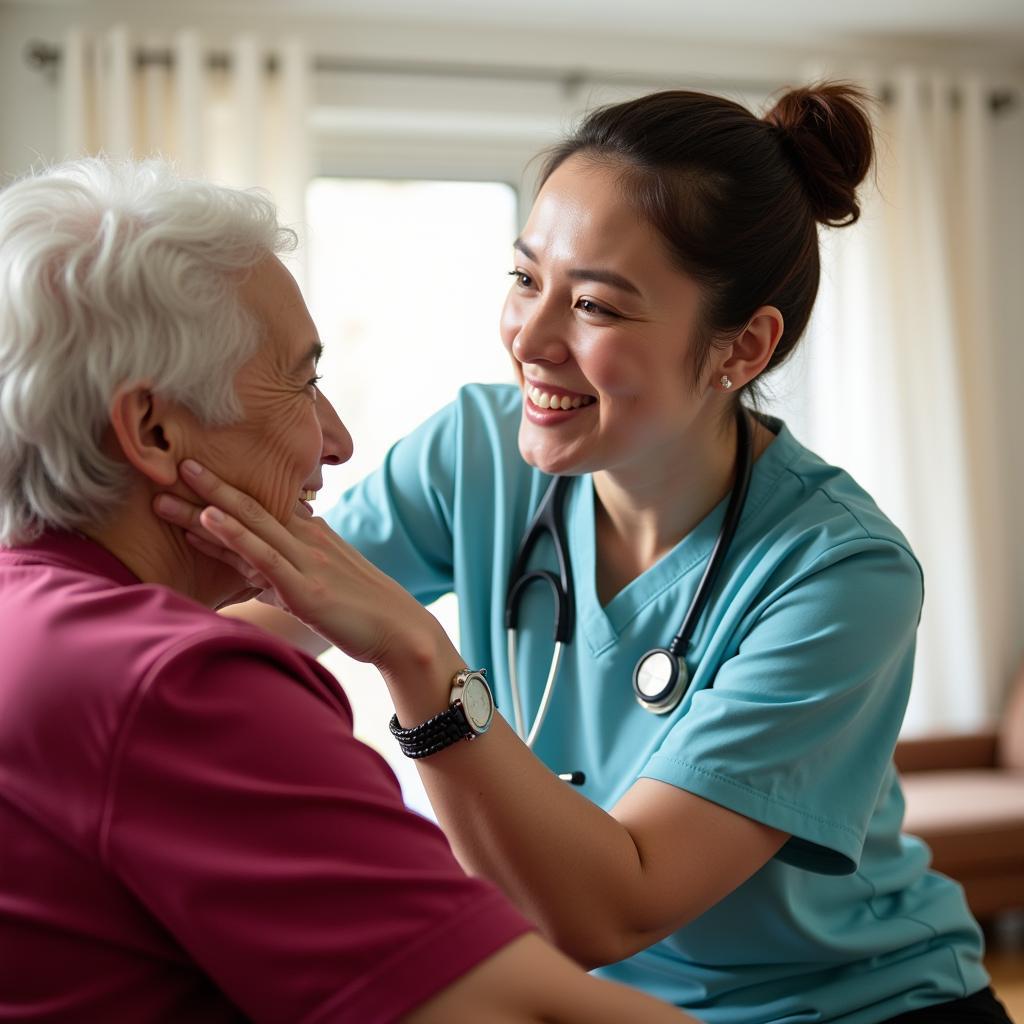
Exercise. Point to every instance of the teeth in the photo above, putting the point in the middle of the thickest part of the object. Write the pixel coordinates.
(544, 400)
(307, 495)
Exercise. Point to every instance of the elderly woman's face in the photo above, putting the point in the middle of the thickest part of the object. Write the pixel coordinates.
(289, 429)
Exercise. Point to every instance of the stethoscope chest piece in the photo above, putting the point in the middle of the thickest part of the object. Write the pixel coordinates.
(660, 678)
(659, 681)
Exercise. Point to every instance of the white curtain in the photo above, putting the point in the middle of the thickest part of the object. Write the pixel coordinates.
(894, 381)
(242, 124)
(897, 378)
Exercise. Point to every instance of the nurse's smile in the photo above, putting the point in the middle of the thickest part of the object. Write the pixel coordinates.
(547, 405)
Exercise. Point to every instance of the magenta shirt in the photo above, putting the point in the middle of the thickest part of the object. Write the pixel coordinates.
(188, 829)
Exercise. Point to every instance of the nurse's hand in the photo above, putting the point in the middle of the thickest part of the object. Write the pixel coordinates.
(310, 572)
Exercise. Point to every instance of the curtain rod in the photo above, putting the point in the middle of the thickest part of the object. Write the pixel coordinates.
(47, 57)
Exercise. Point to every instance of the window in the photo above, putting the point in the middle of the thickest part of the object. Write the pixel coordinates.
(406, 282)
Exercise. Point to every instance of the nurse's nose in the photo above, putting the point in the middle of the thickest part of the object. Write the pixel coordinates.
(541, 337)
(337, 441)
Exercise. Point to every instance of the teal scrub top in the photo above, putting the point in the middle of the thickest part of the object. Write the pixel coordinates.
(801, 667)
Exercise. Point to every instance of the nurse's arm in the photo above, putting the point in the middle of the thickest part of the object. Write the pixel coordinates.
(279, 622)
(600, 885)
(528, 982)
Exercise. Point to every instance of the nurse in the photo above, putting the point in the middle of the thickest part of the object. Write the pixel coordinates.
(738, 853)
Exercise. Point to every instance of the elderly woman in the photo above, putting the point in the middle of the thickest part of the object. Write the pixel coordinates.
(188, 829)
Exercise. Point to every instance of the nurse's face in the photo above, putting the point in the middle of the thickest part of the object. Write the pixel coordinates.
(599, 324)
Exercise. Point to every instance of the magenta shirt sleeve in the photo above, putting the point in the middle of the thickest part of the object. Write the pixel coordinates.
(276, 848)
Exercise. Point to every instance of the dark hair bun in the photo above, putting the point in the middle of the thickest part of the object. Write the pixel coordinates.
(826, 129)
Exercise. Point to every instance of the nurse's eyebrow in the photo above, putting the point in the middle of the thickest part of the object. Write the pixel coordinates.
(314, 352)
(586, 274)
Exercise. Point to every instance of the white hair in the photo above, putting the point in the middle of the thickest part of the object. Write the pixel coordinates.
(114, 273)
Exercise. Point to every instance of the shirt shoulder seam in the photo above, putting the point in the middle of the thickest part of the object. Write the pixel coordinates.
(869, 534)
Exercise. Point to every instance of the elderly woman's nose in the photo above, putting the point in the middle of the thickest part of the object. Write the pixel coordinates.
(337, 445)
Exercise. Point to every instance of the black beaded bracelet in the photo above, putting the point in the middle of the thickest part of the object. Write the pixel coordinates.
(433, 735)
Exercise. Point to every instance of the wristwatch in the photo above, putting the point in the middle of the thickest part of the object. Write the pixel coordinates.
(468, 715)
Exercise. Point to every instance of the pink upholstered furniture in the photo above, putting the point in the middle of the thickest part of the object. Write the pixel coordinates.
(965, 797)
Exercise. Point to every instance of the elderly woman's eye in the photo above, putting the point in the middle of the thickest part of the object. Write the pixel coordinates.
(313, 383)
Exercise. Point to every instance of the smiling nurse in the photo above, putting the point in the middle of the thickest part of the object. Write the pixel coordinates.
(737, 853)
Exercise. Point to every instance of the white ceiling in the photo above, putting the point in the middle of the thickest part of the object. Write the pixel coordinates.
(745, 22)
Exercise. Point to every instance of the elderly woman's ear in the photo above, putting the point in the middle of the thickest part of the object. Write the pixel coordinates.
(147, 432)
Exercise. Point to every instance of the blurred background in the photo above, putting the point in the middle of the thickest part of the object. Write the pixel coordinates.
(397, 137)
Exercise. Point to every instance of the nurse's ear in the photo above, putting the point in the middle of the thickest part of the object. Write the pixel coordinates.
(751, 350)
(146, 430)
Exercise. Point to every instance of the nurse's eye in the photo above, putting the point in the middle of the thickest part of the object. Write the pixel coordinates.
(593, 308)
(522, 279)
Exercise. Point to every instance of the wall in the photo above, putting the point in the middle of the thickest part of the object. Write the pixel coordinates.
(29, 128)
(28, 110)
(1008, 388)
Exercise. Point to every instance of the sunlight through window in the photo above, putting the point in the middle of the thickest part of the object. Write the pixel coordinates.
(406, 281)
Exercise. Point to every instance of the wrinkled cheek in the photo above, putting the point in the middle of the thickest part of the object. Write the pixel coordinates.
(273, 465)
(296, 455)
(285, 494)
(213, 447)
(217, 449)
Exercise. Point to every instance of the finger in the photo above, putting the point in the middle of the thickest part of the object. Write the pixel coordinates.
(186, 515)
(266, 559)
(178, 511)
(242, 507)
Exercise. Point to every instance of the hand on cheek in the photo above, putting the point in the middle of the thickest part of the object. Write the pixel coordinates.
(318, 577)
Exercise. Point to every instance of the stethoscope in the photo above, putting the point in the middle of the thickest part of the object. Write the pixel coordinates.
(661, 677)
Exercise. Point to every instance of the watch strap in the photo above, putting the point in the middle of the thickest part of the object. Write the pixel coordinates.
(434, 734)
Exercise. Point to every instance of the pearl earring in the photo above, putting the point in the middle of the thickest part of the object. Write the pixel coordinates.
(726, 381)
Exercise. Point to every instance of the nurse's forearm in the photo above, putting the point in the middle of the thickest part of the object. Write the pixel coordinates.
(565, 862)
(570, 866)
(528, 982)
(280, 623)
(602, 886)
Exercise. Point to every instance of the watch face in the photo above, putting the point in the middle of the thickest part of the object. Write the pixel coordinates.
(477, 702)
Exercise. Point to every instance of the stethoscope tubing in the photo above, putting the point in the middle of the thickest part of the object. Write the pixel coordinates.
(529, 738)
(549, 518)
(733, 511)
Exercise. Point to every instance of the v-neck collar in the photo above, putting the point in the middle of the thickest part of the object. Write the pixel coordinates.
(601, 625)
